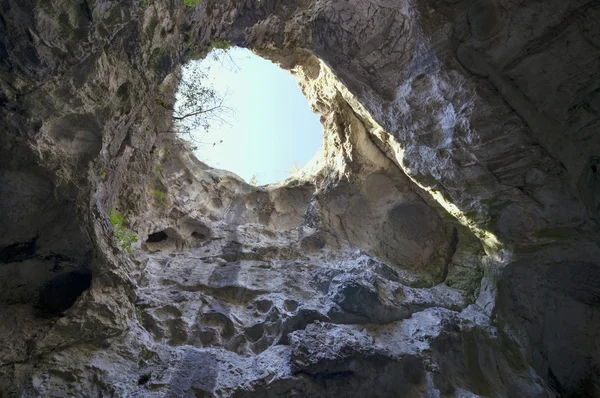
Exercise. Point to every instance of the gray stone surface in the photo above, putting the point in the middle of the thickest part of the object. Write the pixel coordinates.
(446, 243)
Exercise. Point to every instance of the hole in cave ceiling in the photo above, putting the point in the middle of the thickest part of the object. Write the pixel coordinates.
(264, 129)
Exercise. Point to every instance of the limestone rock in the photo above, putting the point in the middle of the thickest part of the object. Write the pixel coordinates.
(445, 244)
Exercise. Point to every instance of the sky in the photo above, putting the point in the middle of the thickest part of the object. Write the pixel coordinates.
(270, 128)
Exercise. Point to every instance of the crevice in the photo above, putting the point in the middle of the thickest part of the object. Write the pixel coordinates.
(451, 252)
(19, 251)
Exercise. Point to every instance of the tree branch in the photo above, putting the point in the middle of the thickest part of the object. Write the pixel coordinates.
(191, 114)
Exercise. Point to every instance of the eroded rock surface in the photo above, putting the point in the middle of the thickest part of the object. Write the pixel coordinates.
(446, 244)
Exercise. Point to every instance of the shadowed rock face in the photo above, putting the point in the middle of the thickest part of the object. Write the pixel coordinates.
(445, 245)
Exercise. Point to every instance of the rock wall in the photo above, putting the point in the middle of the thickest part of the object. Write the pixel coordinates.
(444, 245)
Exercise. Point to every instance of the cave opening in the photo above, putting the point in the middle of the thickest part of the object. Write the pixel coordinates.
(157, 237)
(60, 293)
(259, 124)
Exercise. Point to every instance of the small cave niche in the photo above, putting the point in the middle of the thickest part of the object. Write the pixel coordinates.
(201, 233)
(145, 378)
(196, 230)
(198, 235)
(156, 237)
(60, 293)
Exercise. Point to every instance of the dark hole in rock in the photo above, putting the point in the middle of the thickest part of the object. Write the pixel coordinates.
(60, 293)
(157, 237)
(19, 251)
(123, 91)
(589, 185)
(144, 378)
(198, 235)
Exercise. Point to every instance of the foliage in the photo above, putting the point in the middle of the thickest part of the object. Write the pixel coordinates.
(217, 48)
(220, 45)
(117, 219)
(199, 105)
(160, 197)
(254, 180)
(144, 2)
(125, 239)
(138, 315)
(196, 101)
(295, 168)
(103, 175)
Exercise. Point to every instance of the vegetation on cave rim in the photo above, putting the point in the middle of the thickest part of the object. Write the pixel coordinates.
(200, 105)
(126, 239)
(160, 197)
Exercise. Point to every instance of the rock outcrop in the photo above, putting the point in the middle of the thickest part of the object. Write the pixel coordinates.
(445, 244)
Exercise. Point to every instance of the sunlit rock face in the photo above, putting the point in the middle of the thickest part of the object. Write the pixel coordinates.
(445, 244)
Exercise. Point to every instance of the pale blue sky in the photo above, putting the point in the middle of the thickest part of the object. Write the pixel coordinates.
(270, 128)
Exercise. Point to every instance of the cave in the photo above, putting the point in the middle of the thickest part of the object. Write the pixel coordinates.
(156, 237)
(61, 292)
(444, 243)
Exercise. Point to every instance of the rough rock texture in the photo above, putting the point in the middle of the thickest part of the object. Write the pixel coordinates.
(446, 244)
